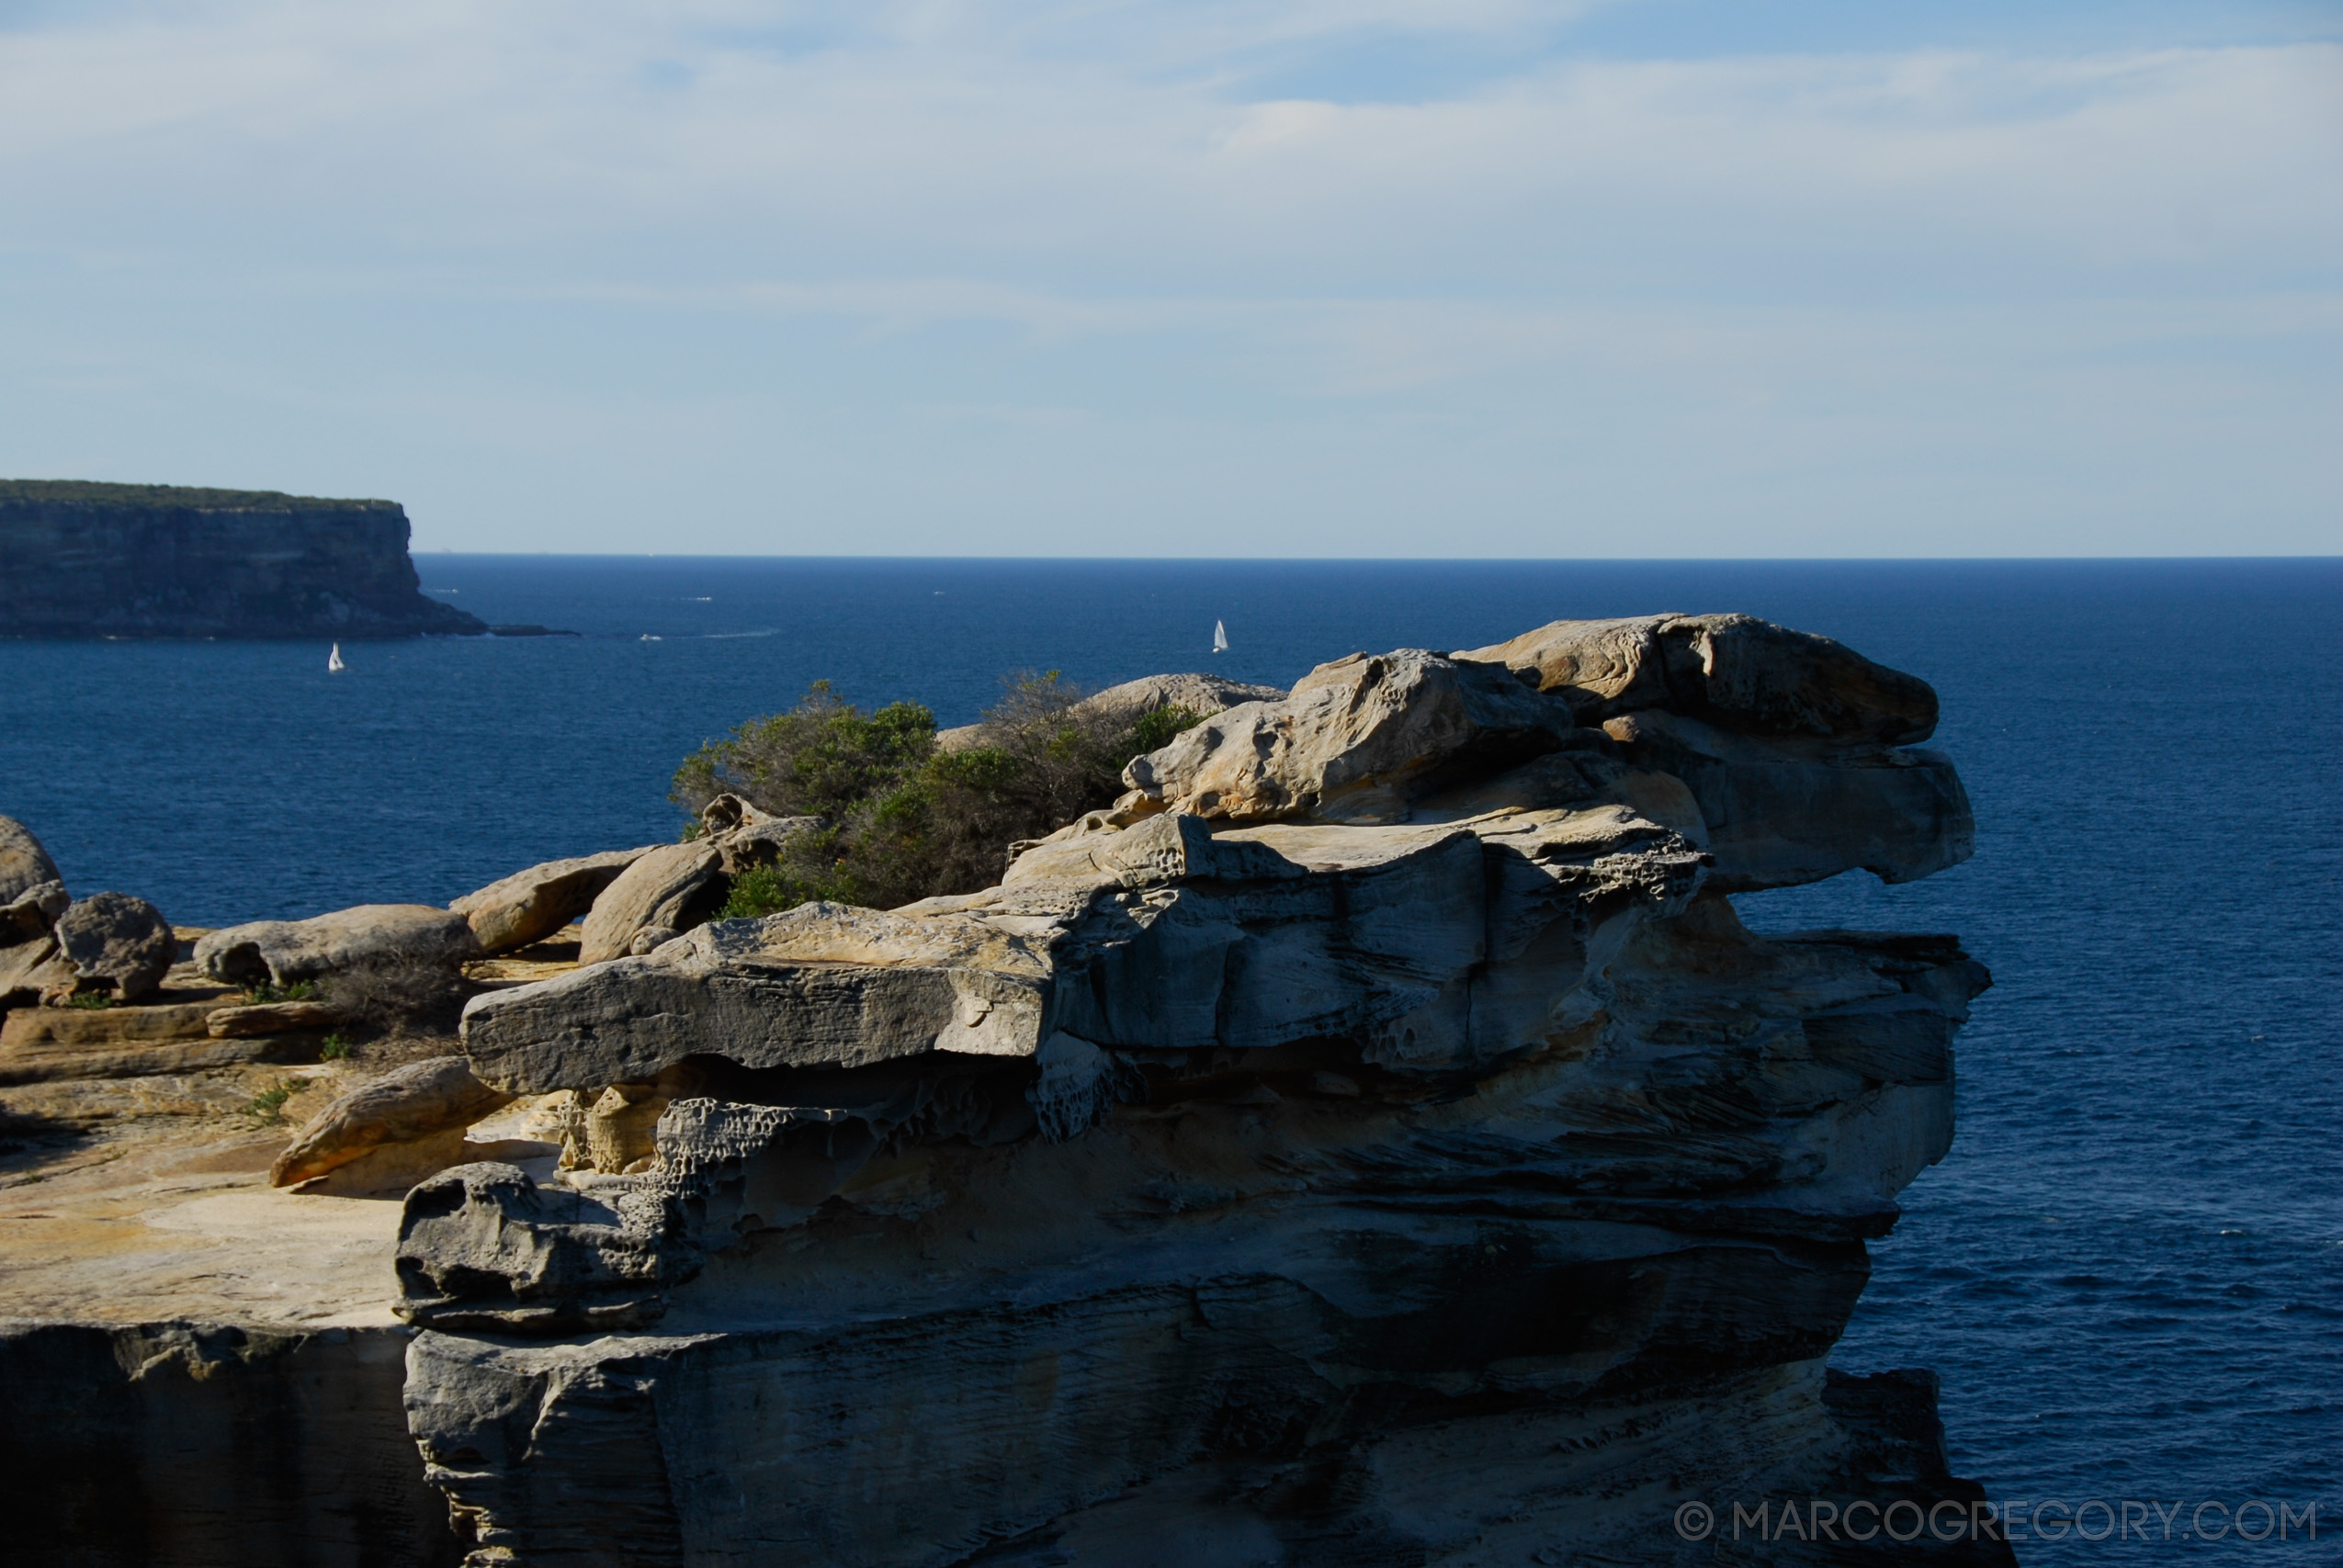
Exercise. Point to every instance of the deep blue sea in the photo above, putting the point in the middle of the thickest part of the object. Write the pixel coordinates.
(2129, 1271)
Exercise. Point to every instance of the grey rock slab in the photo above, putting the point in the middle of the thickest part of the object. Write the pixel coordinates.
(566, 1261)
(819, 985)
(118, 945)
(531, 904)
(1737, 671)
(370, 936)
(1356, 740)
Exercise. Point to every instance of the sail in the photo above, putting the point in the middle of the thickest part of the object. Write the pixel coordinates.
(1220, 637)
(334, 660)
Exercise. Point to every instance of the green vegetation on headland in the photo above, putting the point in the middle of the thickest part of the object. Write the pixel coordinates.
(176, 495)
(902, 817)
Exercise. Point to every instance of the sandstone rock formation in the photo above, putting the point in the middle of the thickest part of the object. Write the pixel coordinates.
(408, 1105)
(1377, 1140)
(245, 1022)
(32, 896)
(666, 891)
(370, 936)
(1789, 741)
(156, 560)
(47, 1045)
(1735, 671)
(1126, 704)
(1354, 742)
(531, 904)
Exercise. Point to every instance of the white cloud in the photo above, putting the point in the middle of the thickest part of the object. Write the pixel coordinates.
(1809, 260)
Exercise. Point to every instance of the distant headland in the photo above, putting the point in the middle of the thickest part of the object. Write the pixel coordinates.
(80, 560)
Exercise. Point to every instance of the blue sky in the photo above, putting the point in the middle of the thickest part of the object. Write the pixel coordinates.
(1290, 277)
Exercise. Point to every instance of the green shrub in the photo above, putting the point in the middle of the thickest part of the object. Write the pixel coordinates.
(335, 1047)
(1156, 729)
(822, 758)
(268, 1105)
(92, 1000)
(299, 991)
(901, 817)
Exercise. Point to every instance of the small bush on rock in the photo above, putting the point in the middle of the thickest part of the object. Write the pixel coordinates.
(901, 817)
(268, 1105)
(298, 991)
(402, 1001)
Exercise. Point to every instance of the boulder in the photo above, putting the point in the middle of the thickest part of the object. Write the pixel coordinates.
(32, 894)
(673, 886)
(531, 904)
(670, 889)
(1731, 670)
(114, 945)
(1356, 740)
(24, 865)
(1201, 695)
(407, 1105)
(388, 937)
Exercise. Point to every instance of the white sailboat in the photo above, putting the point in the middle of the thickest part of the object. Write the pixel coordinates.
(1220, 637)
(333, 665)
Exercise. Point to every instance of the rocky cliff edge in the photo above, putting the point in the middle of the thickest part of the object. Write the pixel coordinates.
(80, 560)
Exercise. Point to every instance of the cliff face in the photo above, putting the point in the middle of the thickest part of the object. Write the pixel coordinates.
(160, 561)
(1376, 1141)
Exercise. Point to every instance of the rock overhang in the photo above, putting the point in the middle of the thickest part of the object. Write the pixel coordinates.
(1382, 1055)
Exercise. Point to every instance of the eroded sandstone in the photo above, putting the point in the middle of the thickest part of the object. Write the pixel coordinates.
(1375, 1140)
(1382, 1103)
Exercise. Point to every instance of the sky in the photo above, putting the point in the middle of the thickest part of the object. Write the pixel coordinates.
(1504, 279)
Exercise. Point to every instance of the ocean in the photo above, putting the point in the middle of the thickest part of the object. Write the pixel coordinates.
(2129, 1273)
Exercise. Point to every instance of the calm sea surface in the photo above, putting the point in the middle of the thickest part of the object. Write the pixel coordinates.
(2130, 1270)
